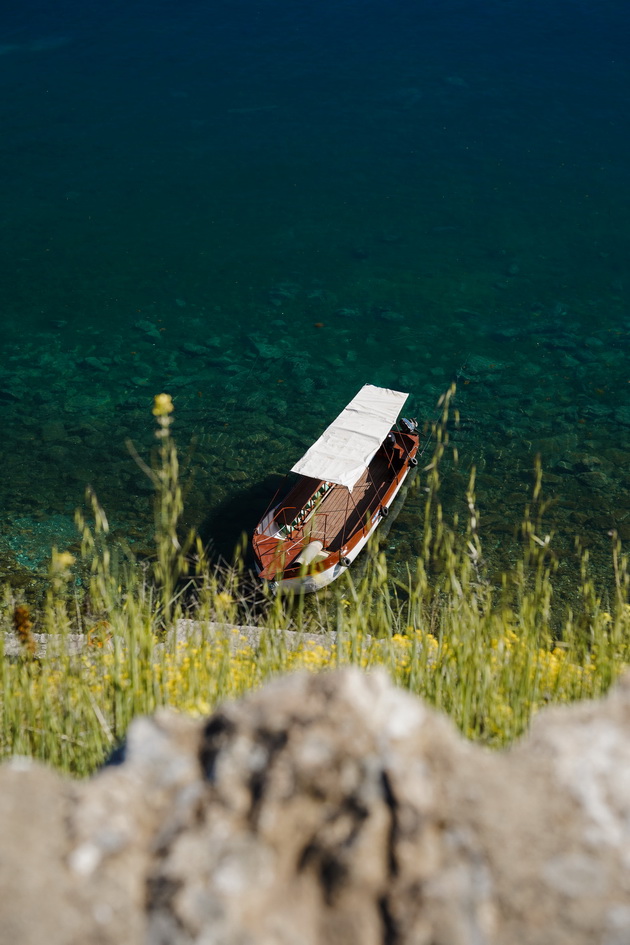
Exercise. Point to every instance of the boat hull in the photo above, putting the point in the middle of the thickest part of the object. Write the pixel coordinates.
(309, 583)
(346, 483)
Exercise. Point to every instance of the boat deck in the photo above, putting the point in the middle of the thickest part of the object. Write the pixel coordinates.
(339, 514)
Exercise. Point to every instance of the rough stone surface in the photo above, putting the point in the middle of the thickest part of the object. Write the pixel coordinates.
(327, 809)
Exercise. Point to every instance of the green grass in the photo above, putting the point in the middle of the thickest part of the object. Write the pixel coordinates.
(490, 656)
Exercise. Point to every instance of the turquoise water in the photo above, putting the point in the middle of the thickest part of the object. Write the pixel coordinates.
(258, 207)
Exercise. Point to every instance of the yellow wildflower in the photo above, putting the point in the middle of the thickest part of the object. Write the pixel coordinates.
(162, 405)
(62, 560)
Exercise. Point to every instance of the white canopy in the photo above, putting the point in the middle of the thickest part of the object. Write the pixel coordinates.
(348, 445)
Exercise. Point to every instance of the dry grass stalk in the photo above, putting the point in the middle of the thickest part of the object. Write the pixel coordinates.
(23, 626)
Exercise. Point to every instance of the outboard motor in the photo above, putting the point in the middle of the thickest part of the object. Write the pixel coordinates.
(408, 426)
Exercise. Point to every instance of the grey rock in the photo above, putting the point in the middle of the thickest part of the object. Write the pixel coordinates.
(328, 808)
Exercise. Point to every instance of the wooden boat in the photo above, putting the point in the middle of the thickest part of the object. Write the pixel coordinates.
(346, 483)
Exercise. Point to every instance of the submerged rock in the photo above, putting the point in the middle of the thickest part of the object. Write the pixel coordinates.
(148, 328)
(264, 348)
(98, 364)
(622, 415)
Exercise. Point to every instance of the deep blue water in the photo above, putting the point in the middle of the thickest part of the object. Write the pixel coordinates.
(258, 207)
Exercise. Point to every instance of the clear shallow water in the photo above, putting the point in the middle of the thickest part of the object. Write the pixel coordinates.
(260, 207)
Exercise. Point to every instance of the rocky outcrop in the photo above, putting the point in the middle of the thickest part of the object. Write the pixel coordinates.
(328, 809)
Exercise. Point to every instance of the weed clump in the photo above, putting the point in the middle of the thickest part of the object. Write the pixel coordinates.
(170, 632)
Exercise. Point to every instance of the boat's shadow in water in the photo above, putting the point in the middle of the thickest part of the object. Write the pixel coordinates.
(226, 532)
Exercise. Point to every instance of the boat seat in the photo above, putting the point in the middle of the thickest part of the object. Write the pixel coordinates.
(312, 553)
